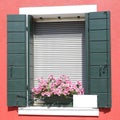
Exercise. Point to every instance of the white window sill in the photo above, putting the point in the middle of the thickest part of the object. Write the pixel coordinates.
(60, 111)
(81, 107)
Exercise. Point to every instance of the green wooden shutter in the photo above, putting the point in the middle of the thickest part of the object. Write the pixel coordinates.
(16, 31)
(98, 57)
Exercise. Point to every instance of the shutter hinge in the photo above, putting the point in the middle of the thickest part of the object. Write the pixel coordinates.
(27, 28)
(27, 87)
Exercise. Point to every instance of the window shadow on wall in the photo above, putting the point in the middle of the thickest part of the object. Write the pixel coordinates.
(105, 110)
(12, 108)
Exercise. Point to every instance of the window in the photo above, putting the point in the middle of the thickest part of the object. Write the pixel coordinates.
(59, 49)
(97, 36)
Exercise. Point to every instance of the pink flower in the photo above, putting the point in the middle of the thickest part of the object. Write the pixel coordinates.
(61, 86)
(51, 77)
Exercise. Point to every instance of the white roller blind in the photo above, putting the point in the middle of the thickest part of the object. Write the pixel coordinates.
(59, 50)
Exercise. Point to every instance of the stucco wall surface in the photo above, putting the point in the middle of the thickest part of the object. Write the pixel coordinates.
(12, 7)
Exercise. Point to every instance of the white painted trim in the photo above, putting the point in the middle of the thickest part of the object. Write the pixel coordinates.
(55, 11)
(60, 111)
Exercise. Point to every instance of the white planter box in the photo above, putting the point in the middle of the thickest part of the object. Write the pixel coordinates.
(85, 101)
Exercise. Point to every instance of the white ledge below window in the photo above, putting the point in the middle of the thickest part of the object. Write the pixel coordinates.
(60, 111)
(83, 105)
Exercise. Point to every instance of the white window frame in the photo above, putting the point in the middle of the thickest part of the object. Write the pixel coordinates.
(55, 12)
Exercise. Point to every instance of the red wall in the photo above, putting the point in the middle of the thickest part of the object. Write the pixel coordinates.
(12, 7)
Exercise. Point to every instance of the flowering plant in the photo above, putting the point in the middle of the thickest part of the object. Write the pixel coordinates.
(61, 86)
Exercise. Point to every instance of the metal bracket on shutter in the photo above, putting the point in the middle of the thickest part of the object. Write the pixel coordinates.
(103, 69)
(11, 71)
(100, 71)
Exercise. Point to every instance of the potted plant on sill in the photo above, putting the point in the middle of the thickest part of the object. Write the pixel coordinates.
(57, 91)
